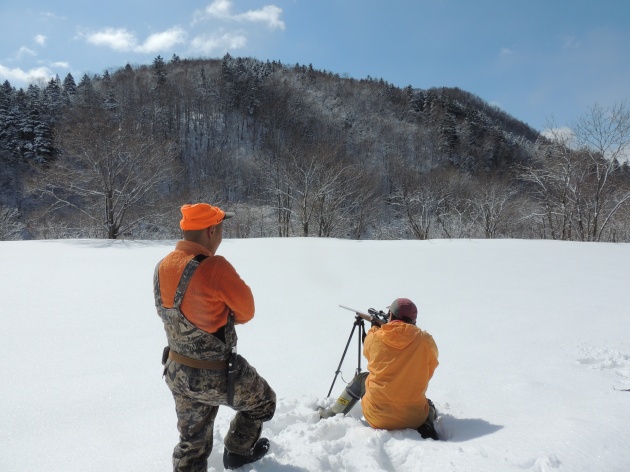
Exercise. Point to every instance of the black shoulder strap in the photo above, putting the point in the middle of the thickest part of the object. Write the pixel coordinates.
(200, 257)
(157, 295)
(189, 270)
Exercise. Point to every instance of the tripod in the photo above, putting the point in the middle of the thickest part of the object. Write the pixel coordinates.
(358, 322)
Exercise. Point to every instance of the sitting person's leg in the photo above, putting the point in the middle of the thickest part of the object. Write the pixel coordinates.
(353, 392)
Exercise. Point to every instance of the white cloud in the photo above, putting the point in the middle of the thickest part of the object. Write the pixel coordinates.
(204, 44)
(219, 9)
(119, 39)
(19, 75)
(164, 40)
(566, 136)
(24, 51)
(54, 16)
(505, 52)
(62, 64)
(562, 134)
(40, 39)
(269, 15)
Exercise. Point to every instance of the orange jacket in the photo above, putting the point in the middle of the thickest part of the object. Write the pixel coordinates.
(401, 361)
(214, 290)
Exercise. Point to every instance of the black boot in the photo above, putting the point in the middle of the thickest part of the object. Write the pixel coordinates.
(427, 430)
(234, 461)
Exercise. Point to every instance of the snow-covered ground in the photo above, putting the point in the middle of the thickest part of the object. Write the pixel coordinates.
(534, 340)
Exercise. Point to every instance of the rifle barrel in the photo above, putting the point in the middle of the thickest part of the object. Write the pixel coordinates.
(363, 315)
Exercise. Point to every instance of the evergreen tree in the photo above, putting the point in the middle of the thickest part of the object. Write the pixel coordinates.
(110, 102)
(54, 96)
(28, 120)
(69, 85)
(68, 89)
(226, 67)
(6, 92)
(86, 91)
(159, 70)
(42, 142)
(31, 121)
(13, 123)
(6, 98)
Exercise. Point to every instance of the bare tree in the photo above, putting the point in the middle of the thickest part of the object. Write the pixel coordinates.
(337, 200)
(453, 214)
(420, 198)
(603, 134)
(366, 200)
(576, 174)
(272, 163)
(320, 185)
(493, 207)
(10, 225)
(558, 176)
(302, 175)
(555, 176)
(107, 166)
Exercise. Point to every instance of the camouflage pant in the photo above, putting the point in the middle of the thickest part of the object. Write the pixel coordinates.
(198, 394)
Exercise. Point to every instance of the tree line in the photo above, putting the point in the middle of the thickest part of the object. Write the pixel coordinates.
(299, 152)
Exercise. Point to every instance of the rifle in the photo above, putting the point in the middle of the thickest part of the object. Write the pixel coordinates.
(376, 317)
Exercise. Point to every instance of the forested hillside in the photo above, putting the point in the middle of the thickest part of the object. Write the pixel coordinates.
(297, 152)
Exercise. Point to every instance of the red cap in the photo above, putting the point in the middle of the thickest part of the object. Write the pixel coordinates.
(404, 309)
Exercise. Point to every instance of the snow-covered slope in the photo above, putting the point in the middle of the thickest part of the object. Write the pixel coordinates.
(533, 335)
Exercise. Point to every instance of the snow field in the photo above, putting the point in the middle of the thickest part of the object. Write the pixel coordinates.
(533, 340)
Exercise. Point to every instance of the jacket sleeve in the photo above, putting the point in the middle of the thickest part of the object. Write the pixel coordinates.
(368, 342)
(433, 356)
(236, 293)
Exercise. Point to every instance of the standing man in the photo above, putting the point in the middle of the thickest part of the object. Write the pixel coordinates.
(200, 297)
(401, 361)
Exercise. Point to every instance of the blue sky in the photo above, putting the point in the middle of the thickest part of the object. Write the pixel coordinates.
(539, 60)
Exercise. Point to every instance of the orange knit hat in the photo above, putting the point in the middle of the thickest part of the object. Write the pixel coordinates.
(201, 215)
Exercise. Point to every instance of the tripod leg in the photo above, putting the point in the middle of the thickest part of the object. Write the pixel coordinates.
(342, 357)
(360, 343)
